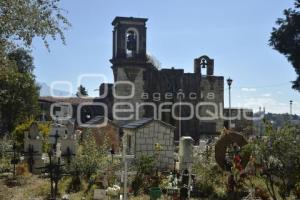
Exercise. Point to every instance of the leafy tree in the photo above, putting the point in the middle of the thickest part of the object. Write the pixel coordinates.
(22, 60)
(18, 97)
(89, 159)
(278, 157)
(286, 38)
(208, 173)
(4, 156)
(20, 22)
(23, 20)
(81, 91)
(145, 167)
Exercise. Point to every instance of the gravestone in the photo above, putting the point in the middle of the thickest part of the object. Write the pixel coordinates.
(63, 132)
(185, 152)
(33, 148)
(100, 194)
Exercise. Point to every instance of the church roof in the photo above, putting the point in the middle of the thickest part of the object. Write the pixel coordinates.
(71, 100)
(132, 19)
(99, 119)
(142, 122)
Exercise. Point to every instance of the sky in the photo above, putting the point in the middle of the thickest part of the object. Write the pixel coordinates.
(234, 33)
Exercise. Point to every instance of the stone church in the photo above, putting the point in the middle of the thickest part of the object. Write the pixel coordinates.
(143, 90)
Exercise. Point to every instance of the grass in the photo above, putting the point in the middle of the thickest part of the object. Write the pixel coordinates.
(34, 187)
(28, 187)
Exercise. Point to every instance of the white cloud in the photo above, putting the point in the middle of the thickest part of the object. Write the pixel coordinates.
(271, 104)
(266, 95)
(248, 89)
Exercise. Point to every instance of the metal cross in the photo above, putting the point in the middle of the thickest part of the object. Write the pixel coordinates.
(55, 173)
(68, 155)
(14, 160)
(56, 136)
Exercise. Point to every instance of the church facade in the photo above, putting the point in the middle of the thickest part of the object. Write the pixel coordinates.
(142, 90)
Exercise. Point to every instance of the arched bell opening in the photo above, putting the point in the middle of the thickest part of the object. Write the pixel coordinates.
(131, 43)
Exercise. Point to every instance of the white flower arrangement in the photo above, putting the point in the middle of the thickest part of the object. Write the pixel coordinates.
(113, 191)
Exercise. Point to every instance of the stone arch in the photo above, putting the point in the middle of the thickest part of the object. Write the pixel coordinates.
(131, 42)
(204, 62)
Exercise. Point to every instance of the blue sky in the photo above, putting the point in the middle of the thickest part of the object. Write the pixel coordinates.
(235, 33)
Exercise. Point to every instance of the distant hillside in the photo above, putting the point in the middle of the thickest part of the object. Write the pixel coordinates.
(279, 120)
(45, 90)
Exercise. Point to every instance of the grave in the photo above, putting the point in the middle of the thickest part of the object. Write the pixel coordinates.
(63, 132)
(100, 194)
(229, 141)
(33, 148)
(185, 152)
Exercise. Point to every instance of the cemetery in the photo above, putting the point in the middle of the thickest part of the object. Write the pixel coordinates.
(70, 164)
(140, 130)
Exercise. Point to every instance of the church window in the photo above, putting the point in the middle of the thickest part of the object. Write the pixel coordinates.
(131, 43)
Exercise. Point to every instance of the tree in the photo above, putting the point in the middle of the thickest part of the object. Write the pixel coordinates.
(18, 97)
(207, 171)
(22, 59)
(81, 91)
(23, 20)
(278, 157)
(5, 159)
(286, 39)
(145, 167)
(90, 158)
(20, 22)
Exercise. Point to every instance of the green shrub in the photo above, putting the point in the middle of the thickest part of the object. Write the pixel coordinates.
(5, 158)
(18, 133)
(205, 188)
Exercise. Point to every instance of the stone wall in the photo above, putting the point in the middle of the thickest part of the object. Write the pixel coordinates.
(212, 88)
(135, 76)
(144, 140)
(202, 88)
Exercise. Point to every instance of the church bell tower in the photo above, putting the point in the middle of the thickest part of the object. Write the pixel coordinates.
(129, 39)
(129, 61)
